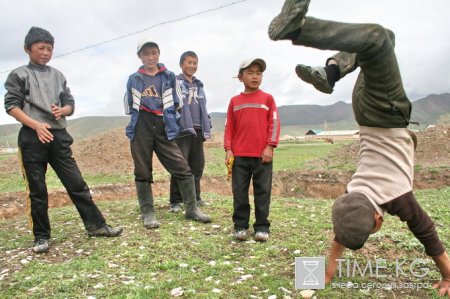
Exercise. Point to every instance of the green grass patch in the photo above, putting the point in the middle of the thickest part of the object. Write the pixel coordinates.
(203, 260)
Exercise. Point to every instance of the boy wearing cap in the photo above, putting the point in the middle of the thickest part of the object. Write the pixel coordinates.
(383, 180)
(37, 96)
(252, 131)
(152, 101)
(195, 126)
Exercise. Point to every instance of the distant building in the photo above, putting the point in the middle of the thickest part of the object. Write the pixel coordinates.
(340, 134)
(312, 133)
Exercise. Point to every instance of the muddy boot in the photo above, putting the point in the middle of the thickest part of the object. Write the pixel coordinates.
(145, 199)
(187, 189)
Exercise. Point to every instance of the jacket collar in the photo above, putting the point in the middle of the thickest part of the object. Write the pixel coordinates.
(37, 67)
(161, 68)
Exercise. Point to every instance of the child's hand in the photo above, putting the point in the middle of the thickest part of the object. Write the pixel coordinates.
(443, 287)
(57, 111)
(43, 133)
(443, 263)
(228, 155)
(267, 154)
(229, 160)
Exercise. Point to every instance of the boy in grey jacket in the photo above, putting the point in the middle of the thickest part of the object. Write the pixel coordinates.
(38, 97)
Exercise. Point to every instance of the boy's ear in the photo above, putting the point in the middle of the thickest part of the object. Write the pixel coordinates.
(26, 50)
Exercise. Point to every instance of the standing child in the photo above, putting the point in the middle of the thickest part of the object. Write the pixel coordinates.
(383, 180)
(38, 97)
(195, 126)
(252, 131)
(152, 101)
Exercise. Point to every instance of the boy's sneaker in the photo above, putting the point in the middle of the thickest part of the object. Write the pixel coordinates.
(40, 246)
(317, 76)
(241, 235)
(291, 18)
(175, 208)
(261, 236)
(105, 231)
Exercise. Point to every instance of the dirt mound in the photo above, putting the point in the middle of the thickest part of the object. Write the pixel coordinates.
(107, 152)
(433, 150)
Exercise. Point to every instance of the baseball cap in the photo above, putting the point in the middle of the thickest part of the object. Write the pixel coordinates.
(35, 35)
(246, 63)
(353, 219)
(146, 42)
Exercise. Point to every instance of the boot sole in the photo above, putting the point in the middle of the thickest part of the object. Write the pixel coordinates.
(280, 24)
(312, 77)
(199, 219)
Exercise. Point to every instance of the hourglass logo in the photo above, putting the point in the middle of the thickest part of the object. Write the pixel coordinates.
(310, 272)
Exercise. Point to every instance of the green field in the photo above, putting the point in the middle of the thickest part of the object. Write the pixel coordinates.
(196, 260)
(288, 156)
(203, 260)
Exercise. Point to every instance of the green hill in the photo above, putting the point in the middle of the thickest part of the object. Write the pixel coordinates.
(295, 119)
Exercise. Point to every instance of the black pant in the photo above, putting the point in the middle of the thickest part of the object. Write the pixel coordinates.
(150, 136)
(35, 156)
(245, 169)
(192, 148)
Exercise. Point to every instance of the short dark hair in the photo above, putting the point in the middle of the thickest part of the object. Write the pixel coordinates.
(35, 35)
(186, 55)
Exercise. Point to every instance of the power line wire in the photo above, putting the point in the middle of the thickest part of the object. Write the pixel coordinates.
(143, 30)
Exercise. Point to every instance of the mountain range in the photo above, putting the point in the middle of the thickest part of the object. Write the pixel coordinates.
(295, 119)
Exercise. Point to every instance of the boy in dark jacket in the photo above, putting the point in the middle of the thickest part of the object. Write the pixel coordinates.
(383, 180)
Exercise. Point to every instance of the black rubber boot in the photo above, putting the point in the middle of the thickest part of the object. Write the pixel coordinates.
(145, 199)
(187, 189)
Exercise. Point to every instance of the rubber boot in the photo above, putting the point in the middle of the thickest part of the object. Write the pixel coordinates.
(145, 199)
(187, 189)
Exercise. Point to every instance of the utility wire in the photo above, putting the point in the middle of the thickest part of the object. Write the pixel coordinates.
(143, 30)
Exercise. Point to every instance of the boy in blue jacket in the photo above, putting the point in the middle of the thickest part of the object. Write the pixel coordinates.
(195, 126)
(152, 101)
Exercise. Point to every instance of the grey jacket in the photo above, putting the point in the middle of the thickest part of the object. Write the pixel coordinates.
(34, 88)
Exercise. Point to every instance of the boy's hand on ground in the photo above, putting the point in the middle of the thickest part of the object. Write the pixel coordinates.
(43, 133)
(443, 287)
(443, 263)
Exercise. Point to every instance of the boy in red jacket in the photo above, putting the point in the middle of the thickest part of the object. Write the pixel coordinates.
(252, 131)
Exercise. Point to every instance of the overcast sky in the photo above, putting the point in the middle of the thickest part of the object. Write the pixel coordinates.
(222, 39)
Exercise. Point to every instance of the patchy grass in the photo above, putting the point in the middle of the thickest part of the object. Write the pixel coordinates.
(13, 182)
(288, 156)
(201, 260)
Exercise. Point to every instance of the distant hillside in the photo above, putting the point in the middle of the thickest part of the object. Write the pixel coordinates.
(428, 110)
(295, 119)
(79, 128)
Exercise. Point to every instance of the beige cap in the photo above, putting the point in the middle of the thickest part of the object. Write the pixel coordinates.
(146, 41)
(246, 63)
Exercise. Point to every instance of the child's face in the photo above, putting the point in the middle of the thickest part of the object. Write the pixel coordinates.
(149, 57)
(189, 66)
(40, 53)
(251, 77)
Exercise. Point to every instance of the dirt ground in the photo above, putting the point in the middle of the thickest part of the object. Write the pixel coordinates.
(109, 153)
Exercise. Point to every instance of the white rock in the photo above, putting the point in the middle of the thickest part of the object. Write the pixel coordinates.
(307, 294)
(177, 292)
